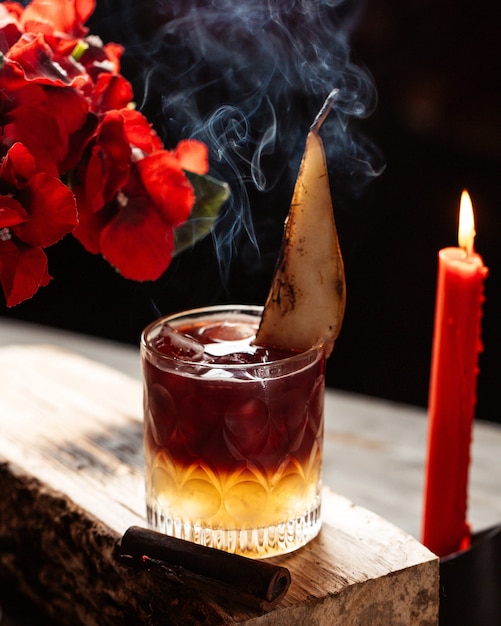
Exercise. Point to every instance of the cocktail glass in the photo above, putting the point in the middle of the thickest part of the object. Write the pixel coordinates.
(233, 434)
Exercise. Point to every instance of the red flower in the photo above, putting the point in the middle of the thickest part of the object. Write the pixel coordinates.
(36, 210)
(134, 195)
(65, 111)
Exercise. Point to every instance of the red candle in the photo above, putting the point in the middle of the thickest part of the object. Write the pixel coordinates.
(453, 389)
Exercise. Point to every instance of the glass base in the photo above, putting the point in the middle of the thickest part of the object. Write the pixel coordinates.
(258, 543)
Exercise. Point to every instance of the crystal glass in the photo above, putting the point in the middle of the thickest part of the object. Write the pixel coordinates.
(233, 433)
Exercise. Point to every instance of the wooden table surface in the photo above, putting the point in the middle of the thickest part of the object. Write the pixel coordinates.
(374, 450)
(81, 476)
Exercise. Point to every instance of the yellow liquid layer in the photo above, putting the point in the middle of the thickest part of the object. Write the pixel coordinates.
(248, 511)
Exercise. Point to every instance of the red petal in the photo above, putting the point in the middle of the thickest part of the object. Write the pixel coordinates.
(140, 133)
(9, 24)
(90, 224)
(77, 144)
(114, 53)
(43, 118)
(84, 9)
(167, 186)
(69, 107)
(112, 91)
(36, 58)
(95, 180)
(51, 208)
(23, 270)
(17, 167)
(193, 156)
(109, 164)
(12, 212)
(12, 76)
(15, 9)
(64, 16)
(41, 134)
(137, 242)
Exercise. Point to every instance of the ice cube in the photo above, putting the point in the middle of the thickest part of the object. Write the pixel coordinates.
(181, 345)
(230, 331)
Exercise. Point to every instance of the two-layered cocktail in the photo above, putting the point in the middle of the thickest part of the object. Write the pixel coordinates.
(233, 433)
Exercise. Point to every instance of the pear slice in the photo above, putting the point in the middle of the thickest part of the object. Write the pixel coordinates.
(307, 297)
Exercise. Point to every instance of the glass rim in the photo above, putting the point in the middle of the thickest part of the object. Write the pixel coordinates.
(316, 349)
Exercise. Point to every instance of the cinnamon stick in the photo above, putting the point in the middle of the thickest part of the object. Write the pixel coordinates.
(247, 581)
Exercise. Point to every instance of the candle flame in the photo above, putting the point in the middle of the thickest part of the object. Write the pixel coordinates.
(466, 231)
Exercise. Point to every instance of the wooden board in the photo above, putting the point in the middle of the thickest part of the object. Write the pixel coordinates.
(71, 483)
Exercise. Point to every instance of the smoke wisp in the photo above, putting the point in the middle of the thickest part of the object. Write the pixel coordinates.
(248, 79)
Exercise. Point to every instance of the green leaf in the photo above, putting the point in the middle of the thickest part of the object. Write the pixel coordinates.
(211, 194)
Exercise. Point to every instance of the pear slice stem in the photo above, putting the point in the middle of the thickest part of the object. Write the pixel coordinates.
(325, 110)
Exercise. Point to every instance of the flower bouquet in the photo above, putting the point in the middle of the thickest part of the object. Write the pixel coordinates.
(77, 157)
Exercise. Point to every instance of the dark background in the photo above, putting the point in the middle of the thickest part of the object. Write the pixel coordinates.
(436, 68)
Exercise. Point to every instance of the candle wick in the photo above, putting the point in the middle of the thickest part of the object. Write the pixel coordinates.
(468, 248)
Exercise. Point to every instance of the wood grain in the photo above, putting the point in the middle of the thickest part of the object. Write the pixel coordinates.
(71, 483)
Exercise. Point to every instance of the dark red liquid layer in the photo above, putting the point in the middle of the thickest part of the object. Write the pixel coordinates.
(225, 420)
